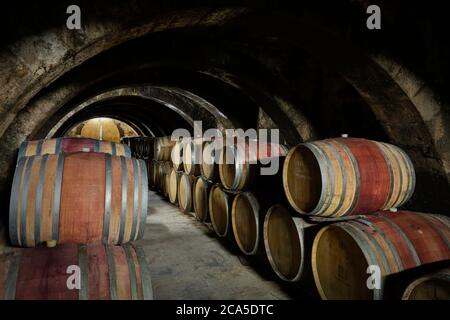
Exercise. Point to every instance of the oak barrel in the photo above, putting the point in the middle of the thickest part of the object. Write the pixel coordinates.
(163, 148)
(435, 286)
(177, 155)
(185, 192)
(347, 176)
(107, 273)
(288, 241)
(209, 167)
(71, 145)
(174, 180)
(192, 157)
(219, 204)
(247, 216)
(164, 173)
(142, 147)
(243, 162)
(200, 193)
(78, 198)
(342, 252)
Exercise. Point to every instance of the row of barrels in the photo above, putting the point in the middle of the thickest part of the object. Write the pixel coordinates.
(141, 147)
(201, 158)
(335, 257)
(79, 200)
(329, 178)
(333, 178)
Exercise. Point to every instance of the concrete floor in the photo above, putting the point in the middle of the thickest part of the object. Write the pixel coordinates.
(187, 261)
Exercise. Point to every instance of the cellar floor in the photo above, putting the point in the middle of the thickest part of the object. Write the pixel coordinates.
(187, 261)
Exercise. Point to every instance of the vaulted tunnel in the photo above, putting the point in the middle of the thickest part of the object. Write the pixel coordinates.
(309, 72)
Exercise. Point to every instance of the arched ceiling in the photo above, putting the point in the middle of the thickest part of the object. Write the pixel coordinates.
(306, 71)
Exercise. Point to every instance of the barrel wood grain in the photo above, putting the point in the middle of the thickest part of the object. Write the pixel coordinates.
(174, 181)
(209, 167)
(78, 198)
(185, 193)
(288, 242)
(71, 145)
(107, 273)
(435, 286)
(219, 205)
(347, 176)
(393, 241)
(177, 156)
(163, 148)
(192, 157)
(200, 196)
(240, 163)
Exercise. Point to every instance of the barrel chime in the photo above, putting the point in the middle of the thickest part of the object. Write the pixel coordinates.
(323, 220)
(80, 197)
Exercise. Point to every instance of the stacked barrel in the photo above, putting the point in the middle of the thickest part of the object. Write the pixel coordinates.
(85, 200)
(176, 168)
(141, 148)
(223, 185)
(329, 219)
(364, 246)
(161, 165)
(247, 191)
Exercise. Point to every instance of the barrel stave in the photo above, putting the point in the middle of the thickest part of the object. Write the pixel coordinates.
(394, 242)
(54, 197)
(107, 273)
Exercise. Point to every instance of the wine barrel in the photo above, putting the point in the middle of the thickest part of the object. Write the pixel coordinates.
(71, 145)
(166, 190)
(241, 163)
(163, 148)
(219, 204)
(107, 273)
(78, 198)
(139, 147)
(288, 240)
(177, 155)
(142, 147)
(132, 144)
(174, 180)
(347, 176)
(247, 216)
(125, 140)
(148, 148)
(192, 153)
(200, 192)
(342, 252)
(209, 167)
(164, 172)
(185, 192)
(434, 286)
